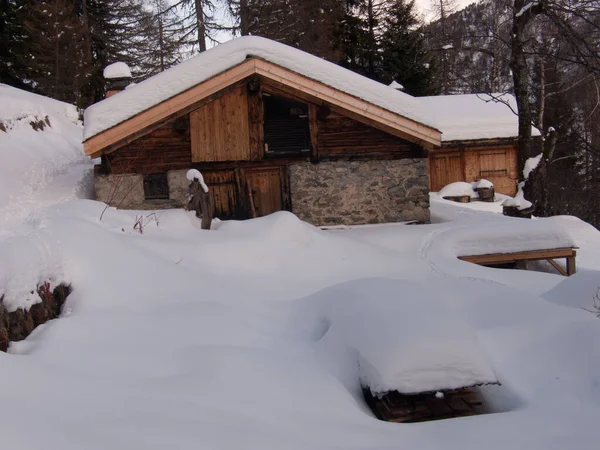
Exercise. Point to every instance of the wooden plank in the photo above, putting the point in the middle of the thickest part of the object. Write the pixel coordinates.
(256, 126)
(220, 130)
(499, 258)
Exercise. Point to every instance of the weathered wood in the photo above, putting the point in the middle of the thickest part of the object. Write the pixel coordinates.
(458, 198)
(220, 131)
(252, 212)
(534, 255)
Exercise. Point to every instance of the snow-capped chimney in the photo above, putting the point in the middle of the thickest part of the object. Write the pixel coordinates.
(117, 76)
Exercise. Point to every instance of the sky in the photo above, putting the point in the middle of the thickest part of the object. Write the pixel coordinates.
(425, 5)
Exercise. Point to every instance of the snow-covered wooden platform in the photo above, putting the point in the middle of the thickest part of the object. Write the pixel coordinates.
(536, 255)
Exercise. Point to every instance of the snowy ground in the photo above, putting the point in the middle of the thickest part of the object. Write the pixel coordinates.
(257, 334)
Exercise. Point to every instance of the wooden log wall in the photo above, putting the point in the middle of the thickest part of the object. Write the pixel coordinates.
(167, 148)
(339, 136)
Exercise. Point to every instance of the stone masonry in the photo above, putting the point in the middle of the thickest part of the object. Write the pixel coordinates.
(127, 191)
(360, 192)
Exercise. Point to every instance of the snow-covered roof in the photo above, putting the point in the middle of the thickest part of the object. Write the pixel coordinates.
(117, 70)
(143, 96)
(474, 116)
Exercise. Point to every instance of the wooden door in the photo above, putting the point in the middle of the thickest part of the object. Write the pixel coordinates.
(222, 185)
(445, 169)
(496, 165)
(264, 185)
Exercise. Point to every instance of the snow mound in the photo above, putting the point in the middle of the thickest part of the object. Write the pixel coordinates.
(458, 189)
(117, 70)
(34, 158)
(116, 109)
(406, 336)
(581, 290)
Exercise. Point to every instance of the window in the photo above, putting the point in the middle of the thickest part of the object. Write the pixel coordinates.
(156, 186)
(286, 126)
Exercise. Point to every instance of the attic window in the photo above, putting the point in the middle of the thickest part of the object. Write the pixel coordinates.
(156, 187)
(286, 126)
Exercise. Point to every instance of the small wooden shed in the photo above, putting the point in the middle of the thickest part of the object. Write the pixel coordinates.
(479, 140)
(271, 128)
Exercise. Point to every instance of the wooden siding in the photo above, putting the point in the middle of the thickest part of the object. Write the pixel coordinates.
(339, 136)
(220, 129)
(164, 149)
(497, 164)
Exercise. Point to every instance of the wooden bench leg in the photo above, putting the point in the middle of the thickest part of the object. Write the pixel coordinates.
(571, 268)
(558, 267)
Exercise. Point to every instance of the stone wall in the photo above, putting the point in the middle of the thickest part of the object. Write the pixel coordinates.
(360, 192)
(126, 191)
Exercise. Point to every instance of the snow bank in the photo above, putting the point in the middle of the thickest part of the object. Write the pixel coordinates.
(474, 116)
(144, 95)
(243, 337)
(406, 337)
(31, 161)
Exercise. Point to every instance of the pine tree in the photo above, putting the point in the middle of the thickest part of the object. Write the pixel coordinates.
(405, 56)
(11, 42)
(51, 48)
(163, 38)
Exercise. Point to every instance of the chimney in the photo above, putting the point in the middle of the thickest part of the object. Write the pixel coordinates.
(118, 77)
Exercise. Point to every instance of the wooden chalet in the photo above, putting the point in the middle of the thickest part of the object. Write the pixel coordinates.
(479, 140)
(271, 128)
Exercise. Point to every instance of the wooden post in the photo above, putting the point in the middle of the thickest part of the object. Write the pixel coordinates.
(571, 268)
(202, 203)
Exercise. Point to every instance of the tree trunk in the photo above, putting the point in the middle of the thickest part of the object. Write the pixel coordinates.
(244, 19)
(201, 25)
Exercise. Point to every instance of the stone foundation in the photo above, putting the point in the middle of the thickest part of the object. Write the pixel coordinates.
(360, 192)
(126, 191)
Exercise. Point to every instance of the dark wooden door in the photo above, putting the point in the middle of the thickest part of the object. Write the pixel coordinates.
(264, 185)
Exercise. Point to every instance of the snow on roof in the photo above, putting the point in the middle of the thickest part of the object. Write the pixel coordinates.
(18, 104)
(117, 70)
(474, 116)
(118, 108)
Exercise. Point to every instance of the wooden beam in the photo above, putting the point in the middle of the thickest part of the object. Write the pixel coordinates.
(499, 258)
